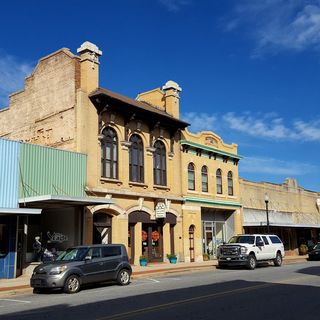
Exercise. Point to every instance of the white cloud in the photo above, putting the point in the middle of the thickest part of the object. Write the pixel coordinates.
(264, 126)
(261, 126)
(174, 5)
(12, 74)
(277, 25)
(271, 166)
(200, 121)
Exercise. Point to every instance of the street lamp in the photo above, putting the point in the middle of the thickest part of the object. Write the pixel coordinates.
(266, 200)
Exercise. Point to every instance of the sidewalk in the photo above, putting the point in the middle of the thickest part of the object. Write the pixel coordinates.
(21, 284)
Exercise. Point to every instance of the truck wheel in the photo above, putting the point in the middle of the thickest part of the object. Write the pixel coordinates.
(123, 277)
(278, 260)
(252, 262)
(72, 284)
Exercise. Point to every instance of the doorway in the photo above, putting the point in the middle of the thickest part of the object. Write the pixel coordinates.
(152, 241)
(102, 228)
(213, 236)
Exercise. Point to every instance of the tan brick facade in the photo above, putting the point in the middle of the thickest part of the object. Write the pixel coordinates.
(293, 212)
(59, 108)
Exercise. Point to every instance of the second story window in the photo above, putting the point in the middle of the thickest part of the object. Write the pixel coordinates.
(109, 154)
(230, 184)
(204, 179)
(159, 164)
(136, 163)
(219, 181)
(191, 177)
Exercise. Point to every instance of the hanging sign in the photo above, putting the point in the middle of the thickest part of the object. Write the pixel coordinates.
(161, 210)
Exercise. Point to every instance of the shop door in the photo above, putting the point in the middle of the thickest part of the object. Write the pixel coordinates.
(209, 239)
(152, 245)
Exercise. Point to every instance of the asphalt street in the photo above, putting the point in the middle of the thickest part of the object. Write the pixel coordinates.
(289, 292)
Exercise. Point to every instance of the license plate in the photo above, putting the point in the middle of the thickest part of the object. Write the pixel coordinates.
(37, 283)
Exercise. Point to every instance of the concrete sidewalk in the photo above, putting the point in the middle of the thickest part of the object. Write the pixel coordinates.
(21, 284)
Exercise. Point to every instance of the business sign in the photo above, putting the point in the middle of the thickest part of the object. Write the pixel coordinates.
(161, 210)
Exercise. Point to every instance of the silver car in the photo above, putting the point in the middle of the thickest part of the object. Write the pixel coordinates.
(83, 265)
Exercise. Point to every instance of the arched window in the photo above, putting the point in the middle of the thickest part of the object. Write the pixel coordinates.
(204, 179)
(219, 181)
(136, 163)
(191, 178)
(230, 184)
(109, 154)
(159, 164)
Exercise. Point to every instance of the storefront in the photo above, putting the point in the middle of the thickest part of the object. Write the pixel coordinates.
(154, 234)
(13, 233)
(217, 227)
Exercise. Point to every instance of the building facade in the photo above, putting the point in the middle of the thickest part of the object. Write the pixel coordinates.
(139, 155)
(293, 213)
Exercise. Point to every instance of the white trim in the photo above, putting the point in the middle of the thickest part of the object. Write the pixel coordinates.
(20, 211)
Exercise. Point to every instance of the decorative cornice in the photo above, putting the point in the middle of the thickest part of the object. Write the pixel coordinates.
(210, 149)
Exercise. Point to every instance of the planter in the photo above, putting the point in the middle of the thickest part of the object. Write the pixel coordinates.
(205, 257)
(143, 263)
(173, 260)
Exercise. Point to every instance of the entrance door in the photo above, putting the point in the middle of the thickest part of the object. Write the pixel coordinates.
(191, 243)
(213, 236)
(152, 244)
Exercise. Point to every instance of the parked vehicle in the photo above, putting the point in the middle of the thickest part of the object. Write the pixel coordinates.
(83, 265)
(314, 254)
(250, 249)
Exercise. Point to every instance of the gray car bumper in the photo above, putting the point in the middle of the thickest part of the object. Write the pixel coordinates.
(46, 282)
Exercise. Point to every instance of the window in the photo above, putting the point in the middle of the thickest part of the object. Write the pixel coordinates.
(111, 251)
(159, 164)
(136, 170)
(191, 179)
(275, 239)
(204, 179)
(265, 240)
(109, 154)
(230, 184)
(219, 181)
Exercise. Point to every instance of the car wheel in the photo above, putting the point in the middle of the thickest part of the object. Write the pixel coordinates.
(252, 262)
(72, 284)
(278, 260)
(123, 277)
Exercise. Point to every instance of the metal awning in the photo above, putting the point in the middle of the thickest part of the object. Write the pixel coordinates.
(258, 218)
(56, 201)
(18, 211)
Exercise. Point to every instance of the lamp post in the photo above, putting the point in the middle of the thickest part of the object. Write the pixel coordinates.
(266, 200)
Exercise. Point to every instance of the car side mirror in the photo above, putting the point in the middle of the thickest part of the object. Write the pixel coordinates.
(87, 258)
(260, 244)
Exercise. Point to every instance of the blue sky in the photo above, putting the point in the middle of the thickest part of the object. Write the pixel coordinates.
(249, 69)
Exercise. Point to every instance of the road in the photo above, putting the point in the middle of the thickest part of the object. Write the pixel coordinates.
(289, 292)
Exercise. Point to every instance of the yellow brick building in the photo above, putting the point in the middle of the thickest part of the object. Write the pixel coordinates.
(173, 191)
(293, 212)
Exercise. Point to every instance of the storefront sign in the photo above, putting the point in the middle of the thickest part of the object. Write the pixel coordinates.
(161, 209)
(57, 237)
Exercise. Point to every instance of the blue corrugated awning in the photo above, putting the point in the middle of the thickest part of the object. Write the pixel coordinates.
(18, 211)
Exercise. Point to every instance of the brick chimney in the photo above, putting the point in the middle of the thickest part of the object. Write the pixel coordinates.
(172, 91)
(89, 59)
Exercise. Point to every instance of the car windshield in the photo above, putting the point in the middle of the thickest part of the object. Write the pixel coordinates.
(242, 239)
(73, 254)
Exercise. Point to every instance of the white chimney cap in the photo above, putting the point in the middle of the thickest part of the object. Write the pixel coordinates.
(89, 46)
(171, 85)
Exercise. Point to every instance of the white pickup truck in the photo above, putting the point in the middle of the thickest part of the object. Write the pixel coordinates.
(250, 249)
